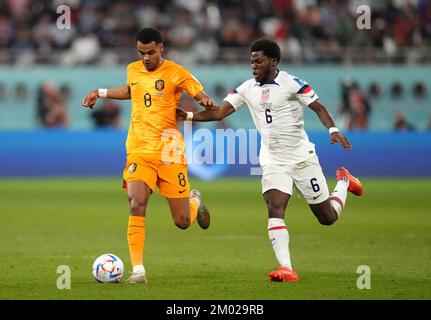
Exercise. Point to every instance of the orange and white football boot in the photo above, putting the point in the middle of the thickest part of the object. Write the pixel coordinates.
(283, 274)
(355, 186)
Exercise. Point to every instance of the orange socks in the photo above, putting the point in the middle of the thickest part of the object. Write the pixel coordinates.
(136, 233)
(194, 205)
(136, 239)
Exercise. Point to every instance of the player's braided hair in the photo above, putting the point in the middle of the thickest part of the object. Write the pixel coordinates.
(148, 35)
(269, 48)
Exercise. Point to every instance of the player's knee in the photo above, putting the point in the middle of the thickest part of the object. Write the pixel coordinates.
(182, 222)
(275, 209)
(137, 207)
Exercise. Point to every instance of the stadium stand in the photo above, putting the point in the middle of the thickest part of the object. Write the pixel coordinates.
(208, 31)
(320, 42)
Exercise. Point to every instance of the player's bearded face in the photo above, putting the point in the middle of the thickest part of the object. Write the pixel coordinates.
(151, 54)
(261, 66)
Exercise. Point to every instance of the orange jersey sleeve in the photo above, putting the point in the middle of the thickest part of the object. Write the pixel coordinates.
(155, 96)
(187, 82)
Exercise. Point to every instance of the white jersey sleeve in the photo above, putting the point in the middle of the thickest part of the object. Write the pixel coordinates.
(236, 97)
(304, 93)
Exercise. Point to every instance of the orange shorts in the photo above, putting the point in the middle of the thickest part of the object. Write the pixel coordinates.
(171, 179)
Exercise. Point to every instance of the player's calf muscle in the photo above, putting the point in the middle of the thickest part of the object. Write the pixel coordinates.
(326, 216)
(326, 221)
(276, 211)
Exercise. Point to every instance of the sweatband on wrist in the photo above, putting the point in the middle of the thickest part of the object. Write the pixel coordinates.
(103, 93)
(333, 129)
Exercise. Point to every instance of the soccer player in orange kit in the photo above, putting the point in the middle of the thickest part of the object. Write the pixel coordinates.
(155, 146)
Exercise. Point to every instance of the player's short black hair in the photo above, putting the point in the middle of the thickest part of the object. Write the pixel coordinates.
(148, 35)
(270, 48)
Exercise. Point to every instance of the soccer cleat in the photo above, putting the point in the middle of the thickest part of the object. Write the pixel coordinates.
(283, 274)
(137, 277)
(355, 186)
(203, 216)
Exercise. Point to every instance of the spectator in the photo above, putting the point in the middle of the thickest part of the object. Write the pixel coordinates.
(21, 91)
(401, 123)
(51, 108)
(419, 90)
(344, 111)
(355, 108)
(107, 115)
(359, 108)
(84, 49)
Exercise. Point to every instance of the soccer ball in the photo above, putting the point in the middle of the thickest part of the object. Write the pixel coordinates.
(108, 268)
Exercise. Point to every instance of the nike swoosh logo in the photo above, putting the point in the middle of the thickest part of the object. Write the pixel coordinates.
(133, 83)
(313, 95)
(314, 198)
(181, 191)
(130, 234)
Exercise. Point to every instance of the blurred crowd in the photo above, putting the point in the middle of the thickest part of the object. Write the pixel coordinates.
(354, 111)
(398, 103)
(52, 108)
(356, 103)
(51, 105)
(355, 106)
(207, 31)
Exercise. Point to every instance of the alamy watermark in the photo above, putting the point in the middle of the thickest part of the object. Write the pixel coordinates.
(363, 21)
(364, 280)
(213, 146)
(64, 21)
(64, 279)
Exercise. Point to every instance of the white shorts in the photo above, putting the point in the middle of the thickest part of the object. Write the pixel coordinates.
(307, 177)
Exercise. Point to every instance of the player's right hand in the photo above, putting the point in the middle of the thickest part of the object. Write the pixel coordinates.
(207, 102)
(181, 114)
(90, 99)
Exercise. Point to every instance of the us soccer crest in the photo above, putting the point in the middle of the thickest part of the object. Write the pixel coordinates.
(265, 94)
(159, 85)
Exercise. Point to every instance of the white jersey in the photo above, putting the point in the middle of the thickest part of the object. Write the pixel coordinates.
(277, 109)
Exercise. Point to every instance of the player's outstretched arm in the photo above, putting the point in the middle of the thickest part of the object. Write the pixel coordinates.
(327, 120)
(118, 93)
(211, 113)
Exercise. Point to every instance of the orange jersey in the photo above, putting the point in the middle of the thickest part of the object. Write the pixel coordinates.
(155, 95)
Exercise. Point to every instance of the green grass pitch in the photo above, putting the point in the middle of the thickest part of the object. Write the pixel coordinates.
(47, 223)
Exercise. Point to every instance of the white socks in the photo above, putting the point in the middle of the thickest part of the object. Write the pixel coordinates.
(279, 237)
(139, 269)
(339, 195)
(277, 230)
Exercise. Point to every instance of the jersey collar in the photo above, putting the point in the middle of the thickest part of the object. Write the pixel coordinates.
(162, 65)
(270, 82)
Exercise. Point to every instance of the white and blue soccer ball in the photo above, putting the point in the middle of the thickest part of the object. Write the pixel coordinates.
(108, 268)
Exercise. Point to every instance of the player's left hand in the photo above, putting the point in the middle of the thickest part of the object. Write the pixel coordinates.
(337, 137)
(207, 102)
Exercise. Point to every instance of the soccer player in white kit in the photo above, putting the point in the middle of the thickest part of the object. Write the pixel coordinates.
(276, 101)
